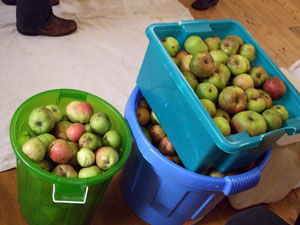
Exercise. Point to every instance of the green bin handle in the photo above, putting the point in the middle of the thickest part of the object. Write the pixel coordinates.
(69, 193)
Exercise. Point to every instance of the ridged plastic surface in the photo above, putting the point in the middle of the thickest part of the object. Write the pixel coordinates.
(192, 131)
(160, 192)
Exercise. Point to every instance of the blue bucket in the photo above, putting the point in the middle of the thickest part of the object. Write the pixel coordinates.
(162, 192)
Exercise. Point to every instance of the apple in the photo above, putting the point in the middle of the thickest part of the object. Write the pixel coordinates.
(176, 61)
(46, 138)
(229, 45)
(222, 113)
(25, 136)
(41, 120)
(284, 114)
(191, 79)
(171, 158)
(177, 160)
(267, 97)
(56, 111)
(99, 140)
(85, 157)
(259, 75)
(88, 127)
(202, 65)
(256, 101)
(34, 149)
(60, 129)
(180, 54)
(106, 157)
(215, 173)
(75, 148)
(273, 119)
(157, 133)
(165, 147)
(209, 106)
(74, 131)
(219, 80)
(275, 87)
(219, 56)
(194, 44)
(142, 115)
(236, 37)
(100, 123)
(142, 103)
(113, 139)
(232, 99)
(146, 133)
(171, 45)
(60, 151)
(79, 112)
(185, 63)
(207, 90)
(243, 81)
(238, 64)
(213, 43)
(153, 118)
(88, 140)
(251, 122)
(248, 50)
(89, 172)
(222, 68)
(45, 165)
(65, 170)
(223, 125)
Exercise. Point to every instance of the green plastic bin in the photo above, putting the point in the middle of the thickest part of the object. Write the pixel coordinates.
(46, 198)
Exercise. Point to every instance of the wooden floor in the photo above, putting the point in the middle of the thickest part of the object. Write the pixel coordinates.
(275, 24)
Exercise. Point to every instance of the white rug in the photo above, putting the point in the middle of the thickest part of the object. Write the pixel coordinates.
(103, 57)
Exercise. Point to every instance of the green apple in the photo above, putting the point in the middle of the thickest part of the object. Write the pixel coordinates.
(25, 136)
(238, 64)
(79, 112)
(223, 125)
(259, 75)
(45, 165)
(222, 68)
(85, 157)
(256, 101)
(267, 97)
(194, 44)
(171, 45)
(65, 170)
(249, 121)
(89, 172)
(213, 43)
(88, 140)
(34, 149)
(248, 50)
(56, 111)
(100, 123)
(61, 128)
(219, 80)
(202, 65)
(153, 118)
(46, 138)
(206, 90)
(284, 114)
(272, 119)
(146, 133)
(106, 157)
(113, 139)
(229, 45)
(222, 113)
(191, 79)
(236, 37)
(243, 81)
(75, 148)
(209, 106)
(219, 56)
(41, 120)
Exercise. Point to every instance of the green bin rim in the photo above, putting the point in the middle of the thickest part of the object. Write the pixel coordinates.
(60, 179)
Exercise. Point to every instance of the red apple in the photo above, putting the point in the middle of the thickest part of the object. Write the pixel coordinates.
(275, 87)
(60, 151)
(75, 131)
(166, 147)
(233, 99)
(79, 112)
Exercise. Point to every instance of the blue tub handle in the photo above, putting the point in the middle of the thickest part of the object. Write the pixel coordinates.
(245, 181)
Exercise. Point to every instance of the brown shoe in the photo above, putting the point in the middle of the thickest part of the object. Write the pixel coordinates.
(14, 2)
(58, 27)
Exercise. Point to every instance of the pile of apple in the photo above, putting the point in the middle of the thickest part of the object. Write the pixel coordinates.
(79, 144)
(237, 95)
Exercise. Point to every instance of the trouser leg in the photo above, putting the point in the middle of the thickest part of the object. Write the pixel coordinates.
(33, 15)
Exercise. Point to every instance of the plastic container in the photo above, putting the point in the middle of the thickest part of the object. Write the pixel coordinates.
(162, 192)
(48, 199)
(281, 174)
(196, 138)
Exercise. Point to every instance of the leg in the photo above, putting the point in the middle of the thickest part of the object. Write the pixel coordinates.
(35, 17)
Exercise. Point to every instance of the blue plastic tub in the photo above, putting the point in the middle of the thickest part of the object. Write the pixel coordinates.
(162, 192)
(197, 140)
